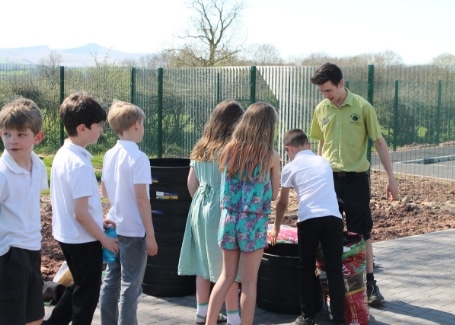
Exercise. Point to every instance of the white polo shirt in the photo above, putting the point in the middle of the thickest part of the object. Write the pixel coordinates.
(73, 177)
(312, 178)
(20, 192)
(124, 165)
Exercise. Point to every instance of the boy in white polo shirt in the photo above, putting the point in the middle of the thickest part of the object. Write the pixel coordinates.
(126, 178)
(319, 221)
(77, 221)
(22, 177)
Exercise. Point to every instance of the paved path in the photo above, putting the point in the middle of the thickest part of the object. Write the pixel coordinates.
(417, 279)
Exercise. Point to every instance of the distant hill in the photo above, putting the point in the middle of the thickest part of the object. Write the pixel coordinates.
(76, 57)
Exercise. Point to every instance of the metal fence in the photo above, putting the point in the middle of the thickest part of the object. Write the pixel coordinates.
(415, 104)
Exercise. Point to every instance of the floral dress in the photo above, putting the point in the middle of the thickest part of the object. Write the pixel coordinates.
(246, 205)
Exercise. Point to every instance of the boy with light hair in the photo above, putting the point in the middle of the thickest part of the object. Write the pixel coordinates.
(126, 178)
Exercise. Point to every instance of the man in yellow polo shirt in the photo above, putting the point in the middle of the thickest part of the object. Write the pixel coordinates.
(342, 123)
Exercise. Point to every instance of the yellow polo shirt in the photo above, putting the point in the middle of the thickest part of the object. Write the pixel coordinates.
(345, 132)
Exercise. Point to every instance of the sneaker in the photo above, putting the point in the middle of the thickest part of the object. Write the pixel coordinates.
(304, 321)
(374, 295)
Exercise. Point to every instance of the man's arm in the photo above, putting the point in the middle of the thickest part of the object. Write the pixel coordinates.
(383, 153)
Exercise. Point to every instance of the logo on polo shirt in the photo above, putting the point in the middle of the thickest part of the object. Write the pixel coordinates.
(325, 120)
(355, 117)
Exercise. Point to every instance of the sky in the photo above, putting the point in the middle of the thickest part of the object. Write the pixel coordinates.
(417, 30)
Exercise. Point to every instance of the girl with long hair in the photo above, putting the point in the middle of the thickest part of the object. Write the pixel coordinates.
(200, 254)
(250, 181)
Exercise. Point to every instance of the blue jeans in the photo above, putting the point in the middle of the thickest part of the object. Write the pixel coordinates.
(122, 284)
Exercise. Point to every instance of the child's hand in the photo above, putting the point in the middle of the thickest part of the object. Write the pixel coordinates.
(111, 244)
(107, 223)
(273, 235)
(152, 246)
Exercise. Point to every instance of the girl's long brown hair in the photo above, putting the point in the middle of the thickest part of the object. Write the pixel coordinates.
(217, 130)
(251, 144)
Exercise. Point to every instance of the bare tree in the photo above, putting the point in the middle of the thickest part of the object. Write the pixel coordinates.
(382, 58)
(445, 60)
(154, 61)
(263, 54)
(209, 38)
(386, 58)
(50, 66)
(316, 59)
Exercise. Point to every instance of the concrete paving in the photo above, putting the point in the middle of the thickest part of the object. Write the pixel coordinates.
(416, 279)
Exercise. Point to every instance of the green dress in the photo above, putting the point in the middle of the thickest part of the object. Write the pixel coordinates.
(200, 253)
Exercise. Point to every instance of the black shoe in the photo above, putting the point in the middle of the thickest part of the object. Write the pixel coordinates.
(304, 321)
(374, 295)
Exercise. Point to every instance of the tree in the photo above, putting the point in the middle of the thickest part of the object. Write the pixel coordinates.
(209, 39)
(382, 58)
(50, 67)
(263, 54)
(154, 61)
(445, 61)
(316, 59)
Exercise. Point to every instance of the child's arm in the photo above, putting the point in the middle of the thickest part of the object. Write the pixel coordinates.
(85, 219)
(103, 190)
(192, 182)
(281, 206)
(145, 211)
(106, 222)
(275, 174)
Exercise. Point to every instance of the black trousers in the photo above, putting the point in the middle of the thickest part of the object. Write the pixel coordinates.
(329, 232)
(79, 301)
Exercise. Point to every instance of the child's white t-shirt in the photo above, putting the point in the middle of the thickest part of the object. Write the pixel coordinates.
(124, 165)
(20, 192)
(73, 177)
(312, 178)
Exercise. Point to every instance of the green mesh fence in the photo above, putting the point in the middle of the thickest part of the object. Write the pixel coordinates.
(415, 104)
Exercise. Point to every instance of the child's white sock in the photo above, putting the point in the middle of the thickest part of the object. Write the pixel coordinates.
(201, 309)
(233, 317)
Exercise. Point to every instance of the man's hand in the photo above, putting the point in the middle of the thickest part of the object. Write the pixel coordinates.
(391, 190)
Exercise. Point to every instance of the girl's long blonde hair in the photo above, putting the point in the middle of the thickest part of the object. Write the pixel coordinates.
(217, 130)
(251, 144)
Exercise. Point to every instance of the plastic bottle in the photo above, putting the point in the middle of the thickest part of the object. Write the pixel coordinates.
(108, 256)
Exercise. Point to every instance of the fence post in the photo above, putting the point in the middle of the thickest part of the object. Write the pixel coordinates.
(62, 97)
(370, 99)
(133, 85)
(253, 84)
(160, 112)
(438, 113)
(218, 87)
(395, 114)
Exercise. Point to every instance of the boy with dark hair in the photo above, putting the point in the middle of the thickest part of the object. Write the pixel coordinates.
(319, 221)
(22, 178)
(77, 221)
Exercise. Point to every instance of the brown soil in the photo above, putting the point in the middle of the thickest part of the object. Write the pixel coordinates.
(425, 205)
